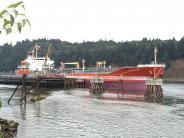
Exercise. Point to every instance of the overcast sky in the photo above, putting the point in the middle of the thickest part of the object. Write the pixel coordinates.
(91, 20)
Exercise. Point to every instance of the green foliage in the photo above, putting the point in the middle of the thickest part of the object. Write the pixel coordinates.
(129, 53)
(13, 17)
(8, 30)
(12, 20)
(1, 135)
(16, 13)
(15, 5)
(2, 13)
(19, 26)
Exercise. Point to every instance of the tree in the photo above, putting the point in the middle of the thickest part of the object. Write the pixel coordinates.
(13, 17)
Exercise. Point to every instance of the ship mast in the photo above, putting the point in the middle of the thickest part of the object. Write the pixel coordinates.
(155, 55)
(36, 50)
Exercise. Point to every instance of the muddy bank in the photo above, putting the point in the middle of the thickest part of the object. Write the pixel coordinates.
(8, 128)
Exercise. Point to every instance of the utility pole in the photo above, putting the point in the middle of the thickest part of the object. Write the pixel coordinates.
(104, 63)
(83, 67)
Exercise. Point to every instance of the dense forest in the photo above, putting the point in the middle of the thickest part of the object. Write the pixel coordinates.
(127, 53)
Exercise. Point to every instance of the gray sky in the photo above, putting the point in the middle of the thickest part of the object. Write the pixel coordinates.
(91, 20)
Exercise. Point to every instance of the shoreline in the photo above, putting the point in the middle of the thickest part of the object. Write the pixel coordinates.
(8, 128)
(173, 80)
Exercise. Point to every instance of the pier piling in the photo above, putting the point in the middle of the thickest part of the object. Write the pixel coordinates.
(154, 91)
(15, 91)
(97, 88)
(79, 83)
(24, 93)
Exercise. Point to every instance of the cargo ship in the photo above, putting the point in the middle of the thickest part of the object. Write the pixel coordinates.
(127, 83)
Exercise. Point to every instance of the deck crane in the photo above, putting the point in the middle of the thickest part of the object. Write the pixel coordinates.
(47, 55)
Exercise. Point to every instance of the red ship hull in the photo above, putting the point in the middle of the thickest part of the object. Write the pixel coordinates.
(157, 71)
(131, 86)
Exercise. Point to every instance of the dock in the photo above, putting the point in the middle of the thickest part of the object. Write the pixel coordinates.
(121, 88)
(55, 82)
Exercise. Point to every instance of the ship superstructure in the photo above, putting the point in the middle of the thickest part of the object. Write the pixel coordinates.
(33, 63)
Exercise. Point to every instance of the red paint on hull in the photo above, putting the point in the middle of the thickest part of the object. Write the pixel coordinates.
(139, 72)
(152, 71)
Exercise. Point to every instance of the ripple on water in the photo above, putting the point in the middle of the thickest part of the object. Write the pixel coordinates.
(68, 114)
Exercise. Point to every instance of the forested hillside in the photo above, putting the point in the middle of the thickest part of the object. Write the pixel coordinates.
(126, 53)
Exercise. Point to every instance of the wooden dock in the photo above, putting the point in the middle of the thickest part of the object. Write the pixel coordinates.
(38, 82)
(149, 89)
(44, 81)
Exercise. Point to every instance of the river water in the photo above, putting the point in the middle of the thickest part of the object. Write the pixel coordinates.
(69, 114)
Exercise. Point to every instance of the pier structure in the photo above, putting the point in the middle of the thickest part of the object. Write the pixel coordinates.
(112, 87)
(124, 88)
(79, 83)
(97, 87)
(154, 91)
(23, 92)
(44, 81)
(35, 83)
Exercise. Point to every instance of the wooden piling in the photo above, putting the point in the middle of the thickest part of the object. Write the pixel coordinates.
(97, 88)
(24, 93)
(24, 90)
(37, 87)
(79, 83)
(154, 91)
(15, 91)
(120, 92)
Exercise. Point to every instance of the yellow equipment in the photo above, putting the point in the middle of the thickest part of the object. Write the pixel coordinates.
(47, 54)
(70, 63)
(100, 64)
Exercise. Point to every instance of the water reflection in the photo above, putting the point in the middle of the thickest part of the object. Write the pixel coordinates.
(23, 111)
(170, 100)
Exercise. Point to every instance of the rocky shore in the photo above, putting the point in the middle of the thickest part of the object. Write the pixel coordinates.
(38, 98)
(8, 129)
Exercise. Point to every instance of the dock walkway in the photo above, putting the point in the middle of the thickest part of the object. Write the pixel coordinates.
(46, 82)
